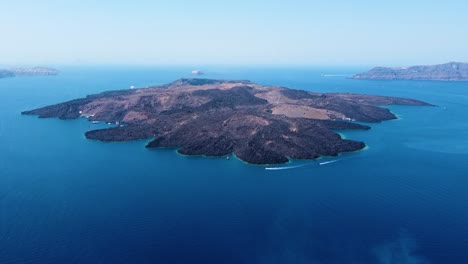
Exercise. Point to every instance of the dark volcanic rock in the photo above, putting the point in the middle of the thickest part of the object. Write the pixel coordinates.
(259, 124)
(453, 71)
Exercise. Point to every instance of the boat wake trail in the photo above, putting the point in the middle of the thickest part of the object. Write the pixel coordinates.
(328, 162)
(303, 165)
(284, 168)
(292, 167)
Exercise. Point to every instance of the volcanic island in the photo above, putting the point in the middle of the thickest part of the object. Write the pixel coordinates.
(28, 71)
(452, 71)
(259, 124)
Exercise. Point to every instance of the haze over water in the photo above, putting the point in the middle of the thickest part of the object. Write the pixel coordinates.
(66, 199)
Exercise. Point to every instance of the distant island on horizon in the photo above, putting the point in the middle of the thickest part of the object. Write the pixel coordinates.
(452, 71)
(259, 124)
(28, 71)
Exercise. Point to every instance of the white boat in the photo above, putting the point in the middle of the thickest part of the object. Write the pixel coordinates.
(197, 72)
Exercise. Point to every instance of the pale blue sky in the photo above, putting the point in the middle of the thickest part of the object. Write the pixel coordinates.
(332, 32)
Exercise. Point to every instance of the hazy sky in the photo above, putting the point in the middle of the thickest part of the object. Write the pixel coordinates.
(331, 32)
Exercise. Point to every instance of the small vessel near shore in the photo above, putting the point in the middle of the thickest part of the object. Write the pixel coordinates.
(197, 72)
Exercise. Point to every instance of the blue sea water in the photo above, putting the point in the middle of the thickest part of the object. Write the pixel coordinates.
(66, 199)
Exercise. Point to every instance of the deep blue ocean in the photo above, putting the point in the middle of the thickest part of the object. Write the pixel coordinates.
(66, 199)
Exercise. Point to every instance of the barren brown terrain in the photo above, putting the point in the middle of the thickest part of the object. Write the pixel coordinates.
(259, 124)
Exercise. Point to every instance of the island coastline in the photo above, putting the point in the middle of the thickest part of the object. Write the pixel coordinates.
(448, 72)
(217, 118)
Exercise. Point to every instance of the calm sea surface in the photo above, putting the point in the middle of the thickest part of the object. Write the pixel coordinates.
(66, 199)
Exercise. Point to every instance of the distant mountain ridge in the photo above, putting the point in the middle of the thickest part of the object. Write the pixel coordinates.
(28, 71)
(452, 71)
(6, 73)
